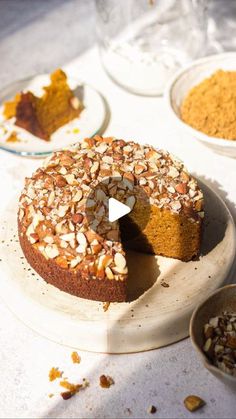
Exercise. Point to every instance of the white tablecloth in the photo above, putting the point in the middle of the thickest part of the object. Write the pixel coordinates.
(162, 377)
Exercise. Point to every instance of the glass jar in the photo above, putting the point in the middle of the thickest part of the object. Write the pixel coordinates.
(142, 42)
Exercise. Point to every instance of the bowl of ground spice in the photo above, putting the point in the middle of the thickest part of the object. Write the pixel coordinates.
(202, 100)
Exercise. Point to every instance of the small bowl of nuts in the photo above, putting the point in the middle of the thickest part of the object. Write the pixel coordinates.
(213, 333)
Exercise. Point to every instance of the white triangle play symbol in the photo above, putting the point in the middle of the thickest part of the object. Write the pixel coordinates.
(116, 209)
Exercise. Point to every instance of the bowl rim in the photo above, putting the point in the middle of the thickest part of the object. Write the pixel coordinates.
(168, 97)
(199, 350)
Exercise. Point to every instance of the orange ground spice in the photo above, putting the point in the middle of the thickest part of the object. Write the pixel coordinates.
(210, 106)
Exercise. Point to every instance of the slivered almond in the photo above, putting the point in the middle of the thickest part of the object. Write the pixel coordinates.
(51, 198)
(70, 179)
(107, 159)
(75, 262)
(51, 251)
(173, 172)
(49, 239)
(62, 210)
(63, 171)
(109, 273)
(153, 155)
(118, 270)
(81, 248)
(78, 196)
(120, 261)
(138, 169)
(171, 189)
(81, 238)
(104, 261)
(94, 167)
(68, 237)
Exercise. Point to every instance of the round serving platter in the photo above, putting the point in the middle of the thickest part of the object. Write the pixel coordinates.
(89, 123)
(163, 291)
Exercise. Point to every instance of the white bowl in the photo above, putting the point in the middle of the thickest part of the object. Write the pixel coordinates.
(189, 77)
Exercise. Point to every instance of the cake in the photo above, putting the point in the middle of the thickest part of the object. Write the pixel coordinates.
(42, 116)
(55, 233)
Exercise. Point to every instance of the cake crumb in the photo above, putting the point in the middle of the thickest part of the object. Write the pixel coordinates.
(50, 395)
(152, 409)
(76, 359)
(164, 284)
(72, 389)
(105, 306)
(106, 381)
(54, 373)
(69, 386)
(13, 138)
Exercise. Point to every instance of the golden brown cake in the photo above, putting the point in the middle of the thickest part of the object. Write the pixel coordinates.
(60, 242)
(42, 116)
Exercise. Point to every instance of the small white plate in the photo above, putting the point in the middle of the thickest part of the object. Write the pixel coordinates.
(189, 77)
(157, 316)
(89, 122)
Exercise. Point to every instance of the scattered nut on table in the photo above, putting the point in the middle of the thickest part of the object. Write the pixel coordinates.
(193, 403)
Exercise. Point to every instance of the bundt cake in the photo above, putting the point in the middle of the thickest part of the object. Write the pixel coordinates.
(86, 257)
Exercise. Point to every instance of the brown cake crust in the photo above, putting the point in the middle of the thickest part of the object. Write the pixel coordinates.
(75, 283)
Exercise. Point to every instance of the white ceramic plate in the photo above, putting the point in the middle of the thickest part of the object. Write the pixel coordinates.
(88, 124)
(189, 77)
(159, 316)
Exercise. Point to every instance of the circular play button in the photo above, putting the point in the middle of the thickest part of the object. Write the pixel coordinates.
(118, 209)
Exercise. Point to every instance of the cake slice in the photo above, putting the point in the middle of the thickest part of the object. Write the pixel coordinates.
(42, 116)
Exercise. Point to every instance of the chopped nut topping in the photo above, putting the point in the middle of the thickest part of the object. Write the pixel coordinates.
(55, 200)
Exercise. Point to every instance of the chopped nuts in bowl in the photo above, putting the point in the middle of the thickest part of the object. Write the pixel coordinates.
(213, 334)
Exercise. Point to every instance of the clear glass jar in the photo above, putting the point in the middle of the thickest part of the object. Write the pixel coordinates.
(142, 42)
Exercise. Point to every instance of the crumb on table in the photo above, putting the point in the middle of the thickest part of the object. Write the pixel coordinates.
(54, 373)
(76, 359)
(106, 381)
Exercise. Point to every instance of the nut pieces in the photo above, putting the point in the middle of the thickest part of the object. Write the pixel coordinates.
(193, 403)
(53, 203)
(220, 342)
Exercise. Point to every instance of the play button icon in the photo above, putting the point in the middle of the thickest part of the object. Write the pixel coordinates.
(116, 209)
